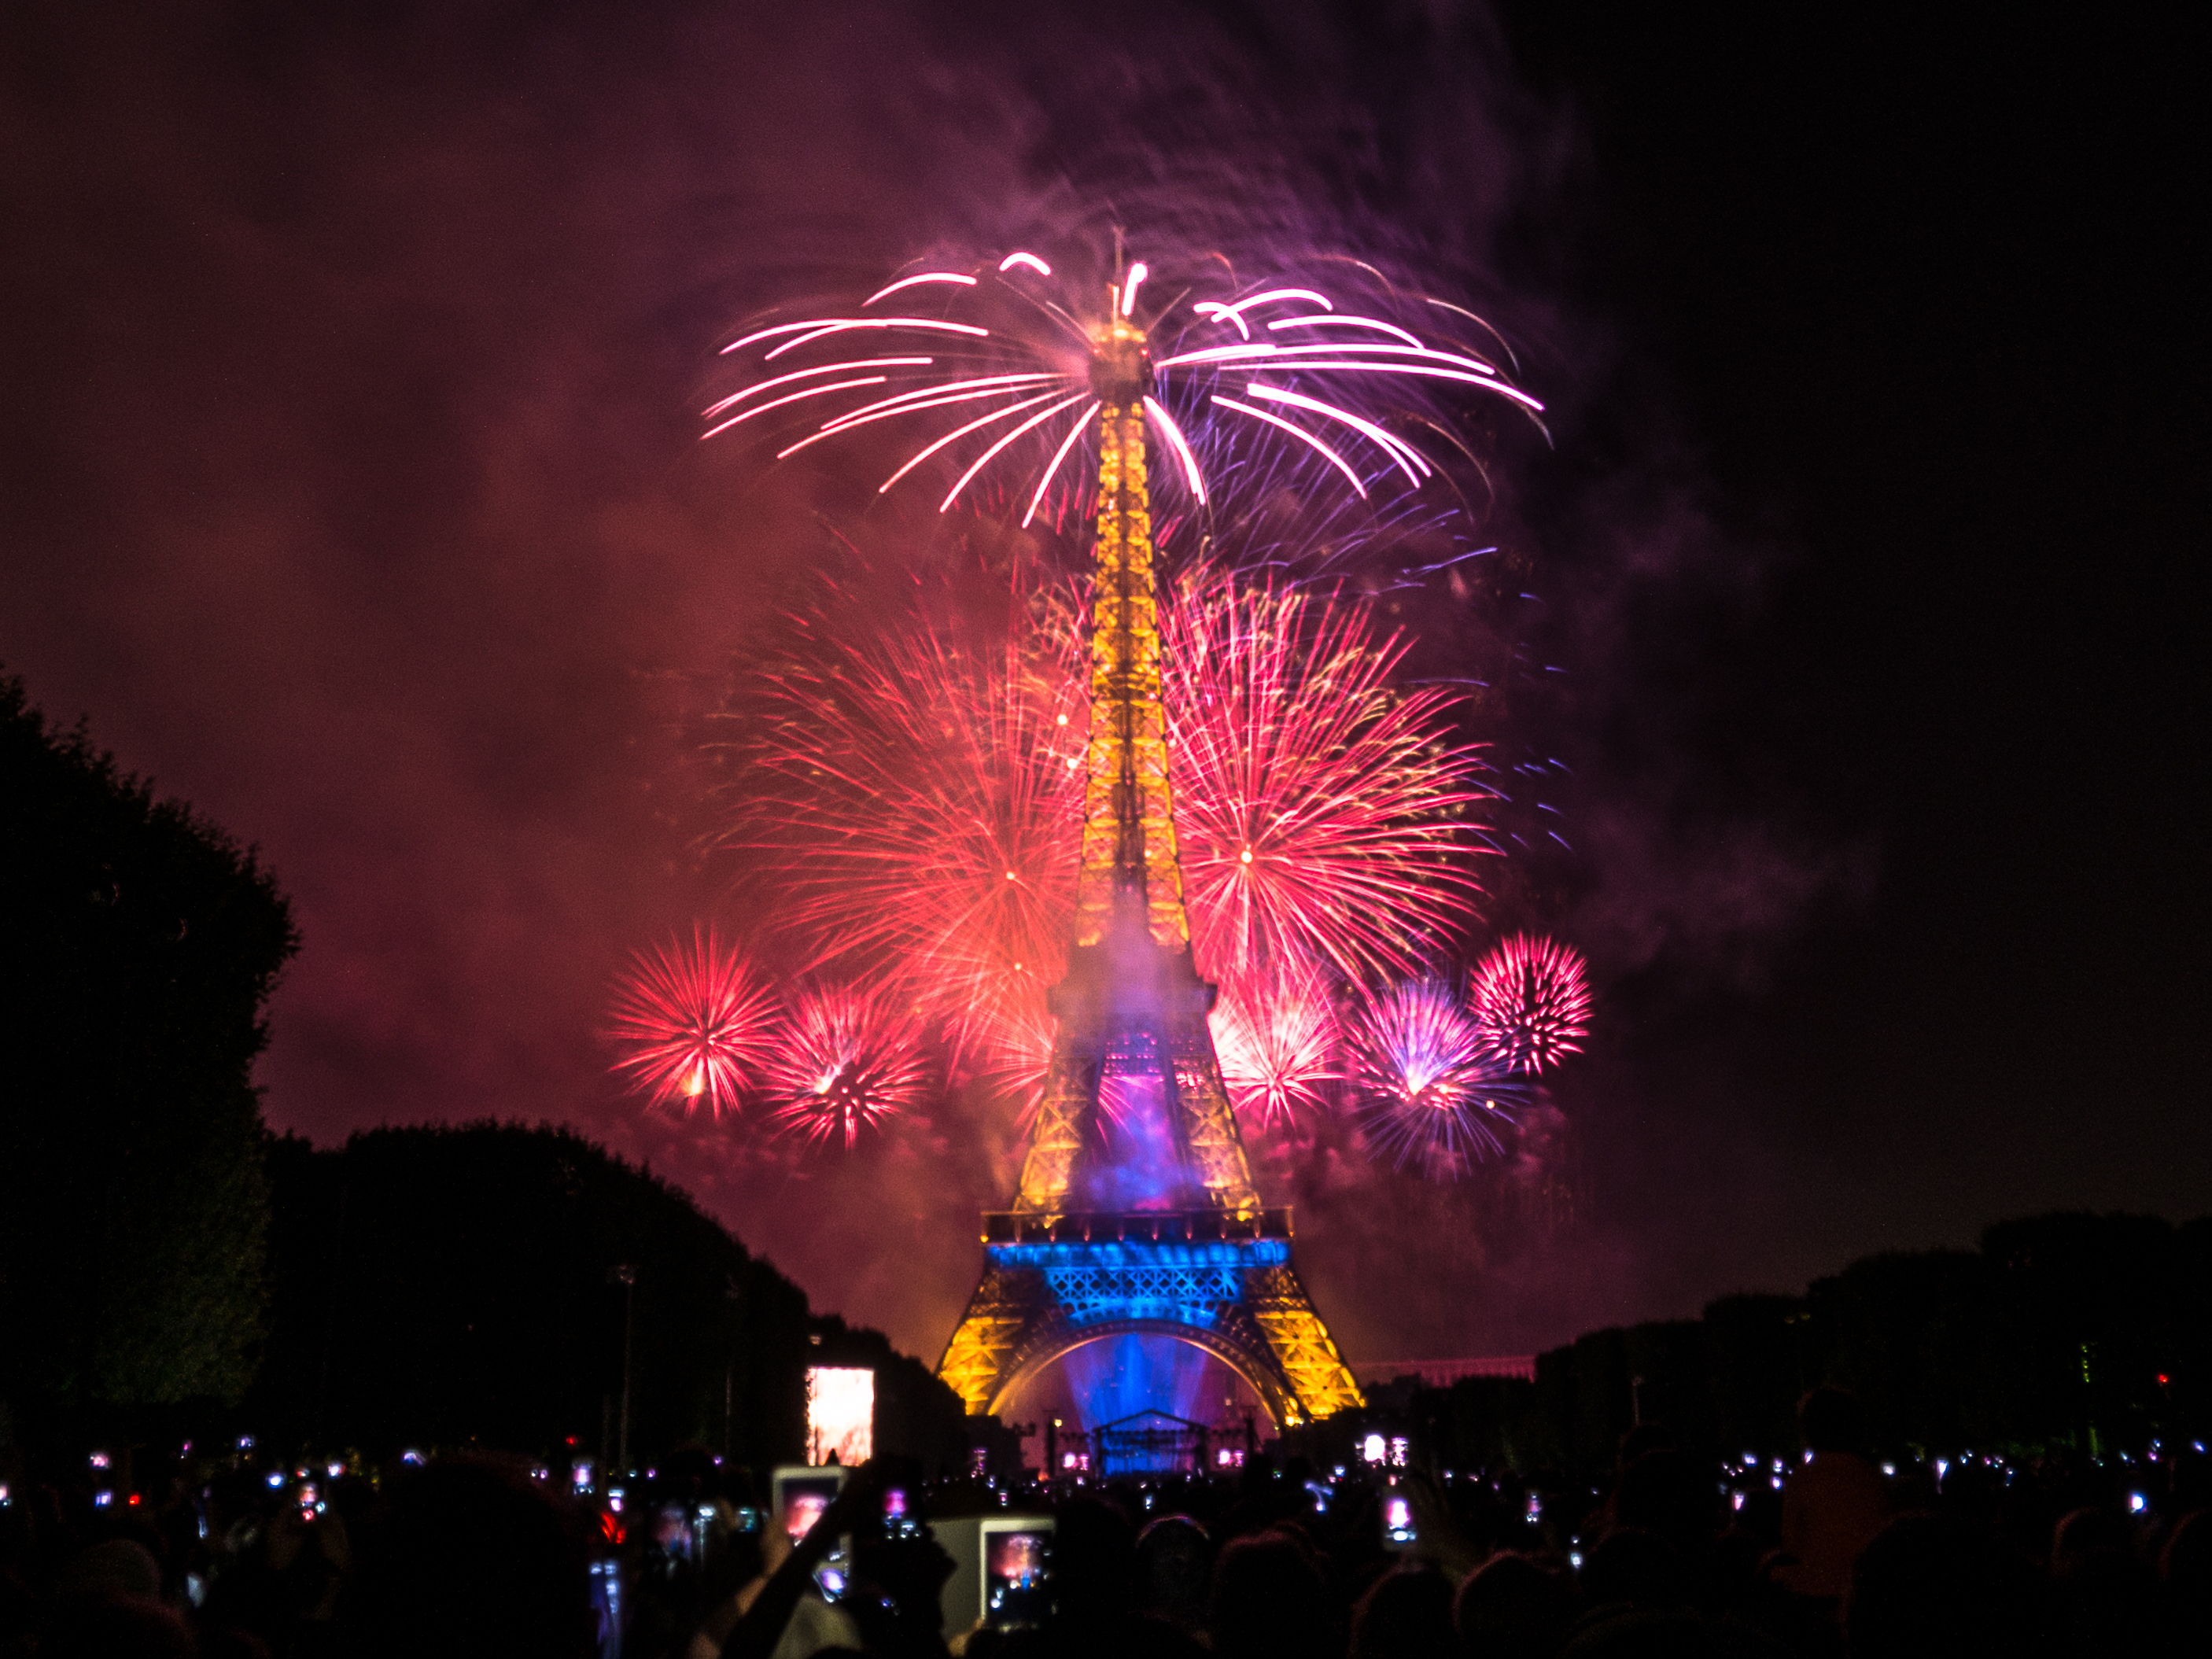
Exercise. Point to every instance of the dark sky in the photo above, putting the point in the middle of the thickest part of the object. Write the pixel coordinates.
(349, 490)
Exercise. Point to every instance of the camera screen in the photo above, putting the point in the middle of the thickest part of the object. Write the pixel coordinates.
(899, 1518)
(1397, 1518)
(1017, 1577)
(804, 1500)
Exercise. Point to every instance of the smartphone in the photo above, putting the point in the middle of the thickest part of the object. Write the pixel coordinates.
(607, 1610)
(1016, 1563)
(1397, 1519)
(799, 1494)
(673, 1533)
(899, 1519)
(705, 1518)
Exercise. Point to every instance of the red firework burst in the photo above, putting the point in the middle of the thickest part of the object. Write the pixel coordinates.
(1531, 997)
(847, 1060)
(1322, 812)
(1434, 1094)
(692, 1022)
(1276, 1039)
(922, 796)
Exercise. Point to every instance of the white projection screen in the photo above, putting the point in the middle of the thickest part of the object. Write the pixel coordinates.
(841, 1415)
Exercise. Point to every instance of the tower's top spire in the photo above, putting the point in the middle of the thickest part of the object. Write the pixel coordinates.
(1120, 361)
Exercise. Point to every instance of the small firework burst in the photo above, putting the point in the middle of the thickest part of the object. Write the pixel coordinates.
(1434, 1093)
(846, 1060)
(693, 1024)
(1276, 1040)
(1531, 998)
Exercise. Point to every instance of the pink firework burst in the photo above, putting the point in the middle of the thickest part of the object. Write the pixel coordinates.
(692, 1022)
(918, 787)
(1531, 998)
(999, 366)
(919, 791)
(1434, 1094)
(1277, 1038)
(847, 1060)
(1323, 813)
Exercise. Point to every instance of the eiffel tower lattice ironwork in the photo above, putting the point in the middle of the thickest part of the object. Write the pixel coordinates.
(1139, 1215)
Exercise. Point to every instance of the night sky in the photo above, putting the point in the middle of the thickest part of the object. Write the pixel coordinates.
(349, 491)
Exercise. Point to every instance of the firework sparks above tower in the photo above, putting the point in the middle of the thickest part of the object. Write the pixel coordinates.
(997, 370)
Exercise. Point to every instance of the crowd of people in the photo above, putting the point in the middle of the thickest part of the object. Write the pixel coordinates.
(475, 1555)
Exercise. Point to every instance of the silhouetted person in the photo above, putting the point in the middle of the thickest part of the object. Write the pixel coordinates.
(1269, 1602)
(114, 1566)
(1406, 1614)
(1094, 1553)
(2113, 1598)
(2085, 1533)
(2185, 1571)
(1632, 1567)
(1836, 1502)
(1930, 1587)
(108, 1625)
(1174, 1566)
(1665, 1492)
(1636, 1589)
(2188, 1482)
(471, 1557)
(106, 1601)
(1512, 1609)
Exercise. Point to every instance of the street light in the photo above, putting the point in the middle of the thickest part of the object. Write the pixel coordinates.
(625, 1276)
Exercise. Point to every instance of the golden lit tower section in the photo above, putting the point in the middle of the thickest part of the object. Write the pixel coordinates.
(1129, 863)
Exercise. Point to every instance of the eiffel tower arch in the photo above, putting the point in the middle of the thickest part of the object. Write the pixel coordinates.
(1136, 1212)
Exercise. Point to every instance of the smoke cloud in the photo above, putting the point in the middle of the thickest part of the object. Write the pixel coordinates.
(350, 488)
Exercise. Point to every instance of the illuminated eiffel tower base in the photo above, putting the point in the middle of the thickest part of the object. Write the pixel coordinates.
(1136, 1214)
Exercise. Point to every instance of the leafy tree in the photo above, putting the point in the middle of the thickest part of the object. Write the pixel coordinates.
(1755, 1372)
(2070, 1332)
(458, 1286)
(1902, 1330)
(139, 944)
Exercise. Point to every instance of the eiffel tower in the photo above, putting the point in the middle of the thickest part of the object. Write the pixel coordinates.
(1136, 1212)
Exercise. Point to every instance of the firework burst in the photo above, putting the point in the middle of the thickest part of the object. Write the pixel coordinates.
(1323, 813)
(1531, 998)
(921, 796)
(1276, 1040)
(1435, 1095)
(846, 1060)
(919, 793)
(1003, 366)
(693, 1024)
